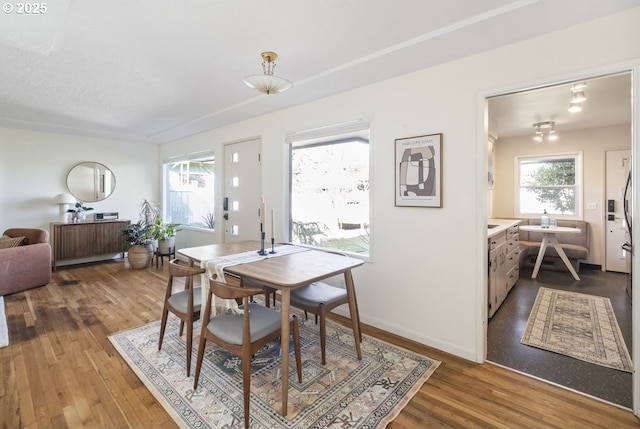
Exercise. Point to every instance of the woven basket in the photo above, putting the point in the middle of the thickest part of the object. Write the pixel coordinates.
(140, 256)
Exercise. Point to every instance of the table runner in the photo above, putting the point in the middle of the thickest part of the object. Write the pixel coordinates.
(214, 269)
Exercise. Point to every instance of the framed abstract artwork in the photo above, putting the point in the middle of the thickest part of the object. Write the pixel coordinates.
(419, 171)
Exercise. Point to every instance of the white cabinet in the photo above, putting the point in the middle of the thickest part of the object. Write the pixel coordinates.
(503, 270)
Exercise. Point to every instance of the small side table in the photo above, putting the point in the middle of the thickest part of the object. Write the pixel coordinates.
(159, 255)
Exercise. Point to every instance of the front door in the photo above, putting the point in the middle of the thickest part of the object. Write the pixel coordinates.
(242, 190)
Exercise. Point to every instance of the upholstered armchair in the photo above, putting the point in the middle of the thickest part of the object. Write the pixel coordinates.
(26, 265)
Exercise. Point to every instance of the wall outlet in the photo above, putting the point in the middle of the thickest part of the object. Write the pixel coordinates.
(592, 206)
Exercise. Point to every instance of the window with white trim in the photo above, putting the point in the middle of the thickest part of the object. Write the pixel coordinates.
(329, 187)
(189, 192)
(552, 183)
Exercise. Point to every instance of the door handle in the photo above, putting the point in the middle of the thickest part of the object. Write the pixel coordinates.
(226, 216)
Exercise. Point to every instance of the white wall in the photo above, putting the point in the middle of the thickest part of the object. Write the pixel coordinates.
(34, 167)
(425, 278)
(592, 143)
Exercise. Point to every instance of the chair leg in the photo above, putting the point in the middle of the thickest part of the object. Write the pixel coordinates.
(163, 325)
(296, 346)
(181, 327)
(323, 333)
(189, 345)
(203, 341)
(246, 384)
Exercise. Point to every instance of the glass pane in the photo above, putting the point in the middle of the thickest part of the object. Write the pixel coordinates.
(190, 197)
(330, 195)
(548, 184)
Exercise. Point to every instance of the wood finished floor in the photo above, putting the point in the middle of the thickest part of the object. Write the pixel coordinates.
(61, 371)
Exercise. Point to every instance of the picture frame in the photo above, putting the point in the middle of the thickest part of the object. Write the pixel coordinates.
(419, 171)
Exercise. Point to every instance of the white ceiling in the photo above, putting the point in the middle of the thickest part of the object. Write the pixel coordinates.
(157, 70)
(608, 103)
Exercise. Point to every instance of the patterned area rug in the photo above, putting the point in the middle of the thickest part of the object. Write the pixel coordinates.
(577, 325)
(345, 393)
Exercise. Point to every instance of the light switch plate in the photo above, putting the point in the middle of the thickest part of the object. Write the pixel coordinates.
(591, 206)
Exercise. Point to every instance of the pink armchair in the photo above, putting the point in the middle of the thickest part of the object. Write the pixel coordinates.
(27, 266)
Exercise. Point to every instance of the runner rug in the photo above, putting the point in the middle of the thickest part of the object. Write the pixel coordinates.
(577, 325)
(345, 393)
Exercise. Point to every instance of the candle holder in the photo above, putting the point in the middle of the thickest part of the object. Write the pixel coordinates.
(262, 251)
(273, 240)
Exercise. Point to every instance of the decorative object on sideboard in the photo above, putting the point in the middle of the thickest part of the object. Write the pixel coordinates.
(79, 213)
(267, 82)
(106, 216)
(63, 200)
(91, 181)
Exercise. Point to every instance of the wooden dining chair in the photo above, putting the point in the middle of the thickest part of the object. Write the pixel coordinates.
(243, 334)
(320, 298)
(185, 304)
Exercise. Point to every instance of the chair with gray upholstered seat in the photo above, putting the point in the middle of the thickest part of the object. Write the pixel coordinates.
(320, 298)
(243, 334)
(184, 304)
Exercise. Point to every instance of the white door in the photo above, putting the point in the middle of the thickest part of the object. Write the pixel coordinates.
(617, 166)
(242, 190)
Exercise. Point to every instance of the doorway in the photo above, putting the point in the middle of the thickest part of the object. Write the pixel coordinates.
(511, 122)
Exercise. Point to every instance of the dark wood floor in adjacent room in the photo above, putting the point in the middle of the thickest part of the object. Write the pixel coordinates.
(61, 371)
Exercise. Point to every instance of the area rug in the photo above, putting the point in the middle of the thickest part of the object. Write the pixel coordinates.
(4, 331)
(344, 393)
(577, 325)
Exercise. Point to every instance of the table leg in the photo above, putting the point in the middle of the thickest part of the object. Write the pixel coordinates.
(353, 310)
(284, 350)
(556, 244)
(543, 248)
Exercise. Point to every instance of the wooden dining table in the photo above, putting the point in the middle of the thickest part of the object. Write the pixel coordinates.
(286, 272)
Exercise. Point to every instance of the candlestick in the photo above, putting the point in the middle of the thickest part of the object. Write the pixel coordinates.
(262, 251)
(273, 230)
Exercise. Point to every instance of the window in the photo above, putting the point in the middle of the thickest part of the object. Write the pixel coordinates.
(550, 183)
(329, 178)
(189, 193)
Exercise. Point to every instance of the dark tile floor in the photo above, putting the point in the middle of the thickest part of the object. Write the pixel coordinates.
(507, 325)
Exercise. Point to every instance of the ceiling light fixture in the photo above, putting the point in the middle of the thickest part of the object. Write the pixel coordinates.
(577, 97)
(268, 83)
(547, 128)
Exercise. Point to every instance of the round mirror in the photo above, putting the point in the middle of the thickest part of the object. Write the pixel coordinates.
(90, 181)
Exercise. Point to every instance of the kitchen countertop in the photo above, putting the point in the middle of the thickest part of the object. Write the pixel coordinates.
(502, 225)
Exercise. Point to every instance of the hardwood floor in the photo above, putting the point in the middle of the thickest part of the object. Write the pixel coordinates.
(61, 371)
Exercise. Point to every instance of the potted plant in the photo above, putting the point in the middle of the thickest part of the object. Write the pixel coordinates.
(79, 212)
(166, 235)
(140, 251)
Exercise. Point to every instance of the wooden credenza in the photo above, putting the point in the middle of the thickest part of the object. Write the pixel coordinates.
(87, 241)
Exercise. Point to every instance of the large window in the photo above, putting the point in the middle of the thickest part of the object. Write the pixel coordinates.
(329, 179)
(189, 193)
(550, 183)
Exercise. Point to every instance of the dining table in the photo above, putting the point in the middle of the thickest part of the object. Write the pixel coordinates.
(549, 237)
(290, 270)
